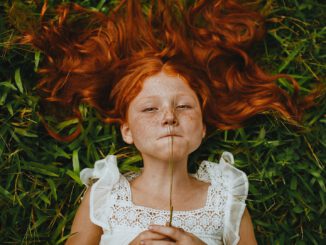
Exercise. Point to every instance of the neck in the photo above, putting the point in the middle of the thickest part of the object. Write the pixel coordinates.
(156, 175)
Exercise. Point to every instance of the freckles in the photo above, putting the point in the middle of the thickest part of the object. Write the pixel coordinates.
(192, 121)
(193, 116)
(155, 120)
(146, 122)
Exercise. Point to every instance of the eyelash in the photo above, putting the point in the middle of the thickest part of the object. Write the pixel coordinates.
(184, 106)
(151, 109)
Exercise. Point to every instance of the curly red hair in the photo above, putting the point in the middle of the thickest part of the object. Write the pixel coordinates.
(102, 59)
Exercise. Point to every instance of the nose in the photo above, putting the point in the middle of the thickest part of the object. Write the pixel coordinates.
(170, 118)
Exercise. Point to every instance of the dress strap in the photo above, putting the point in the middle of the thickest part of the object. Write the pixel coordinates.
(236, 182)
(107, 173)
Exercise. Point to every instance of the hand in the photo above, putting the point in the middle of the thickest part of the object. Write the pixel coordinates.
(176, 235)
(149, 236)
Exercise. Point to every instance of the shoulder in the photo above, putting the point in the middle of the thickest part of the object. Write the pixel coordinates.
(107, 175)
(235, 184)
(246, 233)
(83, 231)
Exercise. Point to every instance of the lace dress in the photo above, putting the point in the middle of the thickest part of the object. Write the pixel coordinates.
(218, 222)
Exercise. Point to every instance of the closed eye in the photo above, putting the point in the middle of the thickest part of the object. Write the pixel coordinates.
(149, 109)
(184, 107)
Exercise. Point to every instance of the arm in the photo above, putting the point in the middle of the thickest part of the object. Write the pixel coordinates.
(86, 233)
(247, 235)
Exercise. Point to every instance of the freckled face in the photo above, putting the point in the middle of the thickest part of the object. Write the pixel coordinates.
(165, 110)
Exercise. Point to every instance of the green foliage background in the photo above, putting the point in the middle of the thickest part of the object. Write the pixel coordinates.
(40, 187)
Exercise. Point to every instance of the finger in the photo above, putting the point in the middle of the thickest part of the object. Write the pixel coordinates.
(169, 231)
(150, 235)
(169, 225)
(157, 242)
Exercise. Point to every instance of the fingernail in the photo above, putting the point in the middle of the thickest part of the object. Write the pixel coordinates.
(150, 227)
(142, 242)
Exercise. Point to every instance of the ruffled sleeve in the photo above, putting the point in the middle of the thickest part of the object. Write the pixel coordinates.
(236, 183)
(107, 173)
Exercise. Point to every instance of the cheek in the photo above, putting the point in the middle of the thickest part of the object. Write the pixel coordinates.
(193, 120)
(143, 126)
(195, 128)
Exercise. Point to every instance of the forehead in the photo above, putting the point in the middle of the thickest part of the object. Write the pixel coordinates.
(164, 84)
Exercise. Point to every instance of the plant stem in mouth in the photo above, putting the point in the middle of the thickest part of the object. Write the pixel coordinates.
(171, 165)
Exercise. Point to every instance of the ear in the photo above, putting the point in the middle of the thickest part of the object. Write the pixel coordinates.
(204, 131)
(126, 133)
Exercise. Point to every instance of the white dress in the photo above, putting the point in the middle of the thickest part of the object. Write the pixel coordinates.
(218, 222)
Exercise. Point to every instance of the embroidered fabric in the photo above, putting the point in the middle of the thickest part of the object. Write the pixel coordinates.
(218, 222)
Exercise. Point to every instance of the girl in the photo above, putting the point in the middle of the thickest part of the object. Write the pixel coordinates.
(166, 77)
(133, 210)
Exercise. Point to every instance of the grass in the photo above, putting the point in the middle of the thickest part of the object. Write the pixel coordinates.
(40, 187)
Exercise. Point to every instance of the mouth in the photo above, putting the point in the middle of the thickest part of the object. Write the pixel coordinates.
(169, 135)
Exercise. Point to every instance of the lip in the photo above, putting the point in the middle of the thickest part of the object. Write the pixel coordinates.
(169, 135)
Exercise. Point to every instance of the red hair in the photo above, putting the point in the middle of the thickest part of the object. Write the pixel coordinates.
(102, 59)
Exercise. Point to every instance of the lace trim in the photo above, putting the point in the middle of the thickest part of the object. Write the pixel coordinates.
(126, 183)
(208, 219)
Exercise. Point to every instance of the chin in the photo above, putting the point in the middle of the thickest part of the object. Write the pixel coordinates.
(164, 155)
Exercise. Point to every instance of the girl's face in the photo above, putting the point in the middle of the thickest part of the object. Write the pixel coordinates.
(166, 109)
